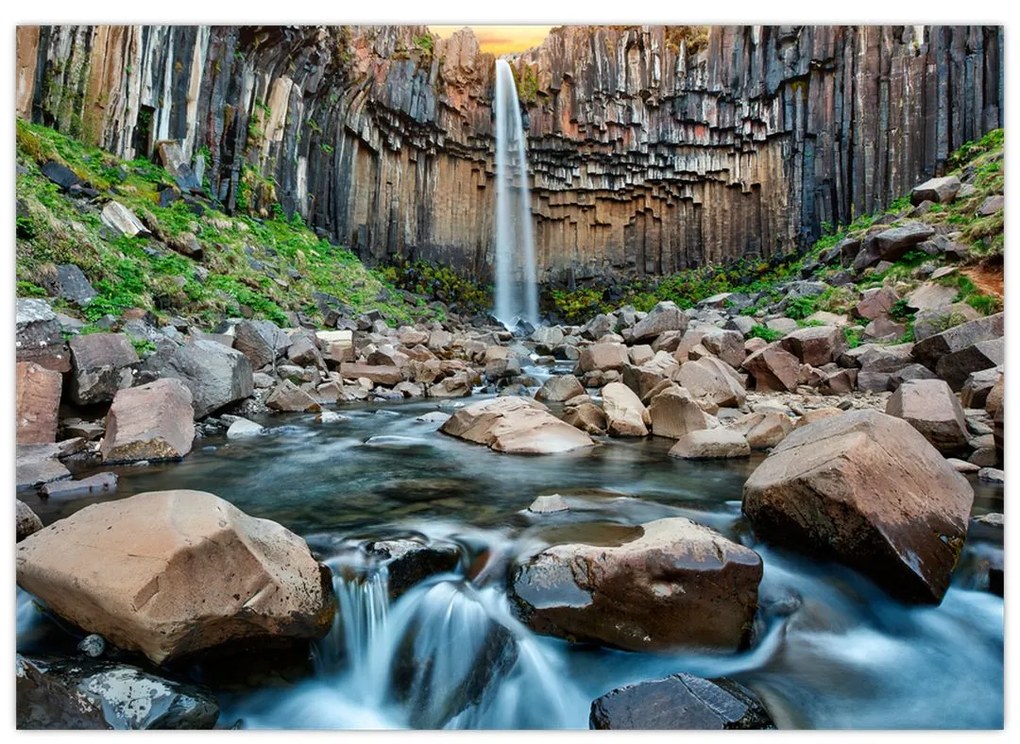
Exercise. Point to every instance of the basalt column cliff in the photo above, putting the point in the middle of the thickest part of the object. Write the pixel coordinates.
(651, 148)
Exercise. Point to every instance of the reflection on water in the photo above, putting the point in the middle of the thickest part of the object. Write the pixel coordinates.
(831, 650)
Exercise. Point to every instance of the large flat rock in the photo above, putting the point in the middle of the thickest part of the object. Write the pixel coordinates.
(515, 425)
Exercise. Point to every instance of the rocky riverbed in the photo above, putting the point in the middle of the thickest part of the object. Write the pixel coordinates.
(649, 494)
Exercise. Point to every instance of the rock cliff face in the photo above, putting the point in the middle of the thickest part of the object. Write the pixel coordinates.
(651, 148)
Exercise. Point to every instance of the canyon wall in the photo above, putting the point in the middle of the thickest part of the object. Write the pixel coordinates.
(651, 148)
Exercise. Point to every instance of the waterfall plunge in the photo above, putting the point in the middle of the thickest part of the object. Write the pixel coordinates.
(516, 284)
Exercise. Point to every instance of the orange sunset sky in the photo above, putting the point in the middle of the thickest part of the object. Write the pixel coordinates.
(499, 39)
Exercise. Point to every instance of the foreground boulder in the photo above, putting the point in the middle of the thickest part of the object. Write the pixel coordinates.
(170, 573)
(86, 694)
(671, 583)
(515, 425)
(37, 402)
(868, 489)
(931, 408)
(215, 374)
(680, 701)
(150, 422)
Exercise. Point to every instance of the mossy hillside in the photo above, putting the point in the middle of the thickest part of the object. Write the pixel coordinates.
(261, 267)
(980, 162)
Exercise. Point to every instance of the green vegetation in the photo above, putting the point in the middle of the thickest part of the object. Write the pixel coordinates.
(765, 333)
(261, 265)
(527, 84)
(439, 283)
(854, 336)
(424, 43)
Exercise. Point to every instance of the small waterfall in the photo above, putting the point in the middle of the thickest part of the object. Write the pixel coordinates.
(516, 282)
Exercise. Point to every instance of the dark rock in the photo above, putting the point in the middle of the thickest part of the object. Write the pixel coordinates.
(680, 702)
(92, 645)
(991, 205)
(409, 561)
(977, 386)
(59, 174)
(36, 325)
(868, 489)
(177, 166)
(215, 374)
(956, 367)
(929, 351)
(88, 694)
(68, 282)
(102, 365)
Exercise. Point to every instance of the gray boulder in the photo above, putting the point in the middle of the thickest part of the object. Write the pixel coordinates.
(215, 374)
(102, 365)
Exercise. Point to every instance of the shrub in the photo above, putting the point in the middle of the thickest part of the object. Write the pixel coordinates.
(764, 332)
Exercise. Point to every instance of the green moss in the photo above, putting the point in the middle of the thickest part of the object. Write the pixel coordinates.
(854, 336)
(765, 333)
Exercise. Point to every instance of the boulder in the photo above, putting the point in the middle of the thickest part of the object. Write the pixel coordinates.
(101, 366)
(934, 348)
(710, 444)
(977, 386)
(458, 385)
(602, 357)
(60, 174)
(928, 323)
(410, 560)
(380, 374)
(763, 430)
(868, 489)
(891, 244)
(625, 412)
(37, 464)
(884, 329)
(559, 388)
(548, 336)
(338, 346)
(587, 417)
(149, 422)
(261, 341)
(712, 381)
(665, 316)
(674, 413)
(782, 325)
(26, 521)
(815, 345)
(773, 369)
(991, 475)
(171, 573)
(68, 282)
(993, 403)
(931, 408)
(991, 205)
(956, 367)
(289, 397)
(598, 326)
(640, 354)
(939, 190)
(216, 375)
(727, 345)
(37, 401)
(122, 220)
(91, 486)
(931, 296)
(875, 303)
(662, 585)
(304, 352)
(89, 694)
(549, 504)
(515, 425)
(680, 702)
(242, 428)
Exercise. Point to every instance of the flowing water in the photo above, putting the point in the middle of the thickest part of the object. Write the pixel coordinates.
(830, 649)
(516, 292)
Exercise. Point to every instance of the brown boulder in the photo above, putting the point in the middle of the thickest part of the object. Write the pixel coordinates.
(711, 444)
(169, 573)
(37, 403)
(875, 303)
(675, 413)
(26, 521)
(709, 380)
(385, 374)
(289, 397)
(587, 417)
(665, 584)
(603, 357)
(727, 345)
(815, 345)
(515, 425)
(624, 411)
(665, 316)
(763, 430)
(939, 190)
(773, 369)
(559, 388)
(150, 422)
(931, 408)
(870, 490)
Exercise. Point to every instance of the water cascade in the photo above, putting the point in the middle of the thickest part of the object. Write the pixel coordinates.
(516, 283)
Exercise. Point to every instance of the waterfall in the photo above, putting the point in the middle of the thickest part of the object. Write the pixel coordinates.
(516, 283)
